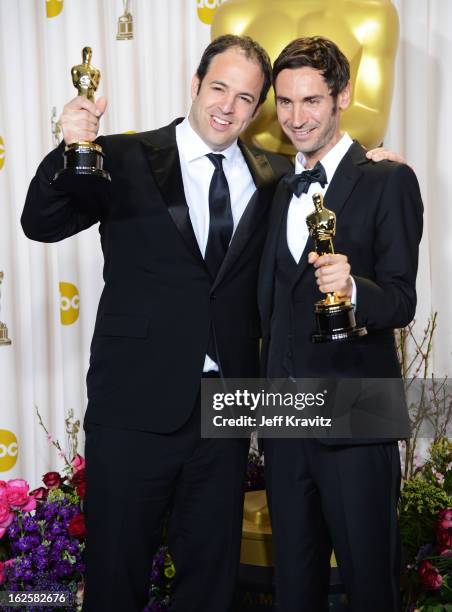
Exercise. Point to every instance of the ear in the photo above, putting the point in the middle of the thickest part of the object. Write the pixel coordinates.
(194, 86)
(344, 97)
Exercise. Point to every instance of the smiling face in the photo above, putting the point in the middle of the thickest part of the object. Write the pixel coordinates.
(307, 112)
(225, 103)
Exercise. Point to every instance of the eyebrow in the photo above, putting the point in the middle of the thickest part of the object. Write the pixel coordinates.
(305, 99)
(242, 93)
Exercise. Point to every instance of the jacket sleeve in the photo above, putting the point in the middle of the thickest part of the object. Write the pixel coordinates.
(389, 299)
(50, 215)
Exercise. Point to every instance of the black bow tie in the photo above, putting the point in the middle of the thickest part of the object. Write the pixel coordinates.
(299, 183)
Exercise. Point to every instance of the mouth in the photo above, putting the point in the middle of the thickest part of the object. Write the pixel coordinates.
(302, 133)
(219, 123)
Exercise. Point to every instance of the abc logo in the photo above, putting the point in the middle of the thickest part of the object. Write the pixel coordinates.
(8, 450)
(2, 153)
(207, 8)
(54, 7)
(69, 303)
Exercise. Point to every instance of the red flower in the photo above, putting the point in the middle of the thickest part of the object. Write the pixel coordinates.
(77, 527)
(39, 493)
(78, 477)
(444, 520)
(81, 490)
(430, 576)
(444, 537)
(52, 480)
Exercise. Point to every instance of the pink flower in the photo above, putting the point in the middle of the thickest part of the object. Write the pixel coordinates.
(445, 519)
(2, 489)
(17, 495)
(77, 463)
(430, 576)
(444, 551)
(17, 492)
(6, 517)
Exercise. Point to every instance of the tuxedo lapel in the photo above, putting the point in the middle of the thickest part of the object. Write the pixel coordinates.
(263, 177)
(163, 158)
(345, 178)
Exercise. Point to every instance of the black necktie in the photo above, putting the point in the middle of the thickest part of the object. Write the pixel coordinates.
(221, 223)
(299, 183)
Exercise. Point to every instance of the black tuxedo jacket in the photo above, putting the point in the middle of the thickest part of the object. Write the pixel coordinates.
(378, 210)
(159, 301)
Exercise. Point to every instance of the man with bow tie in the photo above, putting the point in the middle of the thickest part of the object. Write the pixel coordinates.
(334, 493)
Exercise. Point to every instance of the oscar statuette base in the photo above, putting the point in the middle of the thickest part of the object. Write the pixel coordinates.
(83, 169)
(336, 321)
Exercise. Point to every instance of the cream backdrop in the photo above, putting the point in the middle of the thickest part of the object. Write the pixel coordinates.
(50, 292)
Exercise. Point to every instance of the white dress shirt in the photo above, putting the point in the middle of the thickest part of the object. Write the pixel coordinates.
(197, 171)
(301, 207)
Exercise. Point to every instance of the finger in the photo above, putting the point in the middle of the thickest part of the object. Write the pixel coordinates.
(101, 105)
(341, 270)
(83, 102)
(380, 153)
(312, 257)
(330, 259)
(83, 120)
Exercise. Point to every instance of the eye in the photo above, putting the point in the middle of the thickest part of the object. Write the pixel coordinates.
(283, 102)
(246, 99)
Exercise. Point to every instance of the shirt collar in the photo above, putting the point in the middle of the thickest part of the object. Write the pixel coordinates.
(192, 146)
(331, 160)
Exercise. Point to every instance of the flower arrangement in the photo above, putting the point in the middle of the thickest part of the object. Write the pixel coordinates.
(42, 532)
(426, 529)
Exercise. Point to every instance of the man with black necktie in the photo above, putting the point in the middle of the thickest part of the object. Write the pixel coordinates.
(342, 493)
(182, 229)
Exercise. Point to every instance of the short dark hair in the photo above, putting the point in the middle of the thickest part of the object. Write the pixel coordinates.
(319, 53)
(251, 49)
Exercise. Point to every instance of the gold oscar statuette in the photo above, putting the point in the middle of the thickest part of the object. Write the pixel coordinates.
(335, 315)
(83, 161)
(4, 340)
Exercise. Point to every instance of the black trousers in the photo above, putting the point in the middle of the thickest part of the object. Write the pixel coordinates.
(345, 497)
(133, 479)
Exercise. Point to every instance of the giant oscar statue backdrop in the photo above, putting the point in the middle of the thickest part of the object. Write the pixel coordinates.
(367, 31)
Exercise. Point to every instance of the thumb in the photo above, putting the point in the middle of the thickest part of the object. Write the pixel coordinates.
(101, 105)
(312, 257)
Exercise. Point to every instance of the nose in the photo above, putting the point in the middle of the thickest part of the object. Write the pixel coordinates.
(299, 115)
(227, 104)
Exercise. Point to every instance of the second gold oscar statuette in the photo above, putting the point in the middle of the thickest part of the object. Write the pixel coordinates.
(335, 315)
(83, 161)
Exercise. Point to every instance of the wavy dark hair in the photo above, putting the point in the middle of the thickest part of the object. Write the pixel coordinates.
(319, 53)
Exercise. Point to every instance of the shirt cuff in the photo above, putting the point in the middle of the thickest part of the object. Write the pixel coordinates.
(353, 298)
